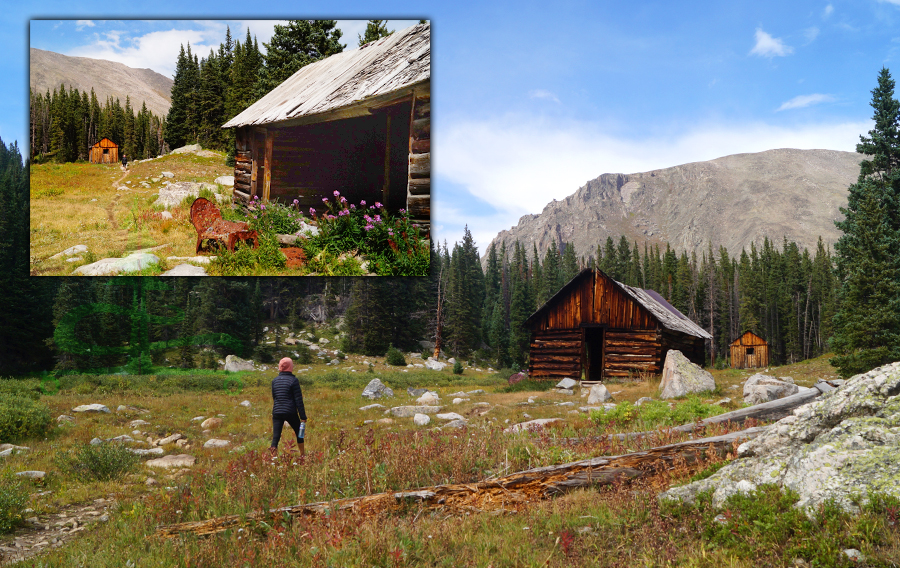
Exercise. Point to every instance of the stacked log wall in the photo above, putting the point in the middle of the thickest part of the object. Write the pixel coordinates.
(631, 352)
(556, 354)
(418, 193)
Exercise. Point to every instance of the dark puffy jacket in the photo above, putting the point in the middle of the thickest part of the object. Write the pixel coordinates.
(287, 396)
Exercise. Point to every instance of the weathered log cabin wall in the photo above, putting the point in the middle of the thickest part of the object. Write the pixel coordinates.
(749, 351)
(104, 152)
(363, 158)
(593, 327)
(418, 196)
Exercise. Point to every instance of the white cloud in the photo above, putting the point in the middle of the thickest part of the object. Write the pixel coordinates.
(802, 101)
(768, 46)
(154, 50)
(518, 164)
(894, 2)
(829, 9)
(811, 34)
(543, 94)
(81, 24)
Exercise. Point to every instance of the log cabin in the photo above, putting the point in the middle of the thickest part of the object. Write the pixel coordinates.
(357, 122)
(104, 152)
(749, 351)
(598, 328)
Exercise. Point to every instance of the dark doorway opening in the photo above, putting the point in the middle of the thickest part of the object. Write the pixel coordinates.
(593, 353)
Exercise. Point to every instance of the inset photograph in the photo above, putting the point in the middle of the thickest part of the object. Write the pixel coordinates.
(230, 148)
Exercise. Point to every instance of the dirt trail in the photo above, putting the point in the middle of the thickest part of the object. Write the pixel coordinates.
(52, 530)
(109, 208)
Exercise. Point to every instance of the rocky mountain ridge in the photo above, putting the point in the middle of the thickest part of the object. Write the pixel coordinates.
(49, 70)
(730, 201)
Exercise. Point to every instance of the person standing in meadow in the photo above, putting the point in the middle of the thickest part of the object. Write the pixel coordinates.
(287, 405)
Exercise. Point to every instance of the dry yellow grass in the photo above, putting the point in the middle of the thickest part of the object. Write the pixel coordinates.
(80, 204)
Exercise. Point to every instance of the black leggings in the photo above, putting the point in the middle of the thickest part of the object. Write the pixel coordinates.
(278, 421)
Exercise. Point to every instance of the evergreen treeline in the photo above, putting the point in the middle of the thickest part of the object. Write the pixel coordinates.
(65, 124)
(208, 92)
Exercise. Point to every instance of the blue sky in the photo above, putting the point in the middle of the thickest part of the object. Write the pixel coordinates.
(530, 102)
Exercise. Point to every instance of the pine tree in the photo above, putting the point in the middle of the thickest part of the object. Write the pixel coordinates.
(375, 30)
(294, 46)
(867, 324)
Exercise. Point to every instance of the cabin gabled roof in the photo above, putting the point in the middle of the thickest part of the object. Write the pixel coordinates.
(368, 74)
(740, 340)
(662, 311)
(100, 143)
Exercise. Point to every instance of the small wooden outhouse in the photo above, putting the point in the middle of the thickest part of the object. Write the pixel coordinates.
(749, 351)
(104, 152)
(601, 328)
(357, 122)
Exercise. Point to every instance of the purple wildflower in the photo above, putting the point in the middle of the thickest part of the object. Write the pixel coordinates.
(391, 233)
(324, 200)
(378, 218)
(369, 227)
(312, 211)
(343, 199)
(352, 206)
(337, 193)
(403, 211)
(378, 205)
(363, 202)
(296, 201)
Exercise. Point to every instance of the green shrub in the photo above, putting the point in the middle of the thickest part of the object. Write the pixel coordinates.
(13, 498)
(21, 418)
(457, 368)
(394, 357)
(274, 217)
(304, 354)
(103, 462)
(264, 353)
(30, 388)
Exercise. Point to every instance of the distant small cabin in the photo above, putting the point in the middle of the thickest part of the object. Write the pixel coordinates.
(104, 152)
(749, 351)
(601, 328)
(357, 122)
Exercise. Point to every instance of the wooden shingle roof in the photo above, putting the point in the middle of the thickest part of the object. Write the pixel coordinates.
(665, 313)
(370, 73)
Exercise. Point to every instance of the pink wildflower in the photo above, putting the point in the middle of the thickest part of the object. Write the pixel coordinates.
(378, 205)
(324, 200)
(337, 193)
(312, 211)
(352, 206)
(363, 202)
(369, 227)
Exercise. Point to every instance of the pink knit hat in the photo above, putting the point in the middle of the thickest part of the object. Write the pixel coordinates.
(286, 365)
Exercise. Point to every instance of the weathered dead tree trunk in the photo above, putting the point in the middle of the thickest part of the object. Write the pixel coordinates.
(497, 494)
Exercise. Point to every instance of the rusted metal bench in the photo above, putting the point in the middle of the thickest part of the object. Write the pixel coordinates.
(207, 219)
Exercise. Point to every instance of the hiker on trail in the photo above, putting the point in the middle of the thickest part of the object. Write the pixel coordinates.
(124, 161)
(287, 405)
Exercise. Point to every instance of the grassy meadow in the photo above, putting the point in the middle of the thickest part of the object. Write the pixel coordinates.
(80, 203)
(350, 453)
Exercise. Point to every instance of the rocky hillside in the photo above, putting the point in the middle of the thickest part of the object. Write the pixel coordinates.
(730, 201)
(49, 70)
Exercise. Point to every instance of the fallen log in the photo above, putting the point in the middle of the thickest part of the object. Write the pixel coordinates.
(492, 494)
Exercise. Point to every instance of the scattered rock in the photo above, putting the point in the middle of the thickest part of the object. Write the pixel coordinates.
(565, 391)
(71, 251)
(168, 440)
(323, 341)
(173, 194)
(408, 411)
(599, 394)
(91, 408)
(245, 403)
(211, 423)
(531, 425)
(138, 422)
(185, 270)
(186, 150)
(517, 378)
(723, 402)
(430, 363)
(385, 421)
(234, 364)
(476, 391)
(428, 399)
(761, 388)
(165, 214)
(96, 441)
(372, 407)
(451, 361)
(680, 377)
(122, 438)
(603, 408)
(459, 400)
(854, 555)
(421, 419)
(566, 384)
(376, 389)
(227, 181)
(839, 446)
(148, 452)
(32, 474)
(151, 482)
(456, 424)
(642, 400)
(65, 418)
(9, 449)
(415, 393)
(134, 262)
(449, 416)
(565, 403)
(180, 460)
(214, 443)
(198, 418)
